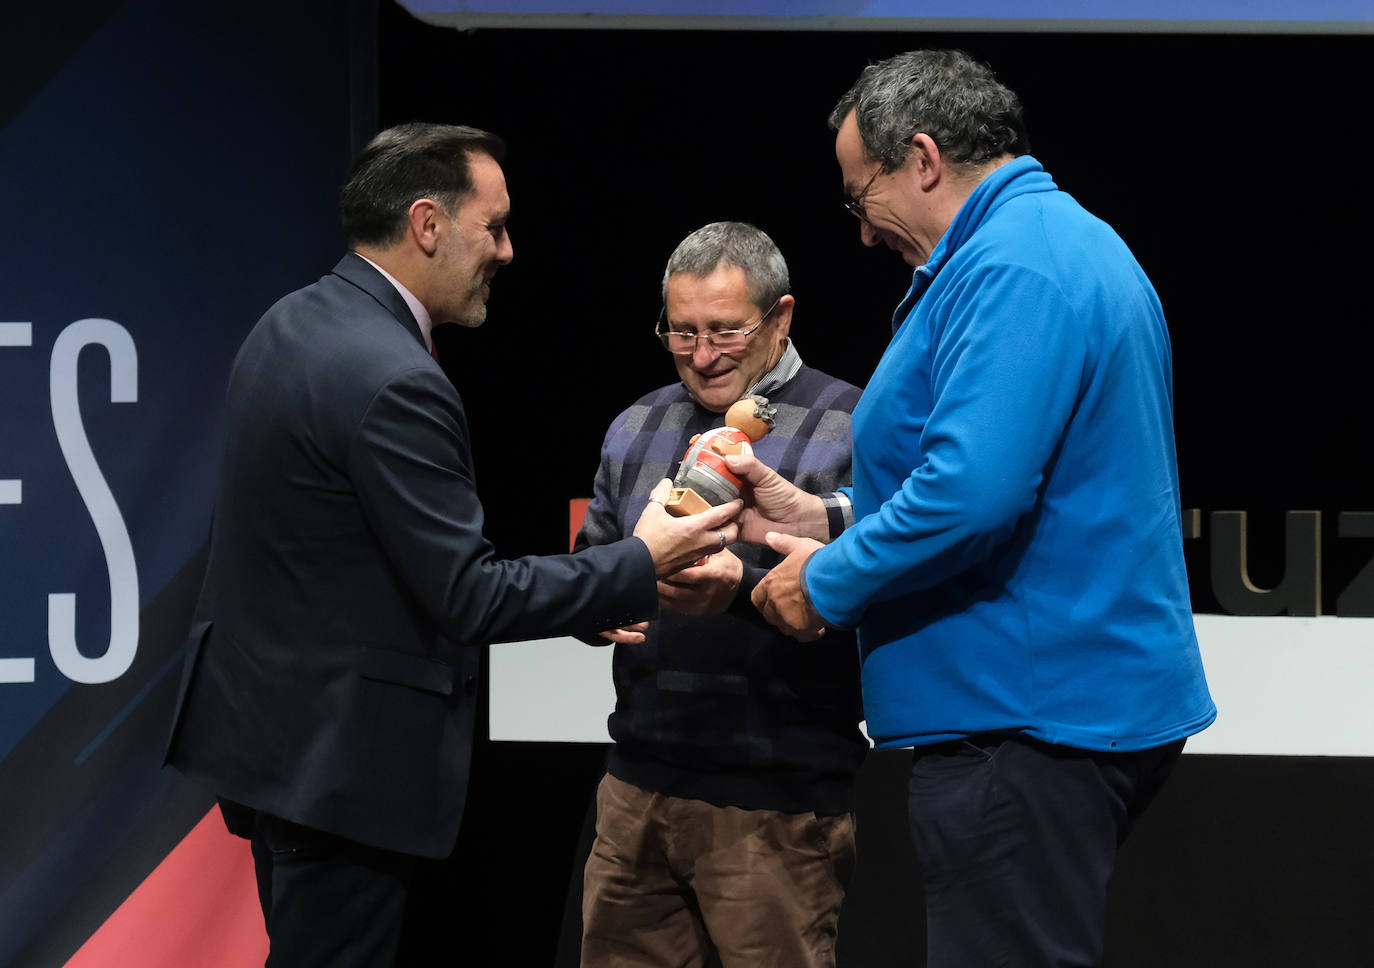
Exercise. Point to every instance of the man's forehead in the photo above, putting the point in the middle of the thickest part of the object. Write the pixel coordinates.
(487, 207)
(849, 151)
(721, 300)
(488, 180)
(722, 282)
(688, 313)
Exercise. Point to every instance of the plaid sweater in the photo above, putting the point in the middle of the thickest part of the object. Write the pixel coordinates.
(724, 708)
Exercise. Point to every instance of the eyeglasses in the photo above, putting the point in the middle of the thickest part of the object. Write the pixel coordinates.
(855, 206)
(682, 342)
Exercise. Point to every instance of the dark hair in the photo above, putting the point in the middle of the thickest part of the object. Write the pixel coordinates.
(405, 163)
(970, 115)
(732, 244)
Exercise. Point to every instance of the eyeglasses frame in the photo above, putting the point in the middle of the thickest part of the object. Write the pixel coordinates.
(663, 334)
(855, 206)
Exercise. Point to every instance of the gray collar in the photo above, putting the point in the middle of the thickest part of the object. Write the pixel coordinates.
(785, 369)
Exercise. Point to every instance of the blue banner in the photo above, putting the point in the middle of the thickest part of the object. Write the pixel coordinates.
(173, 172)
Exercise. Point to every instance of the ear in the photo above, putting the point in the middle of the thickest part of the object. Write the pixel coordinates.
(783, 315)
(925, 160)
(424, 224)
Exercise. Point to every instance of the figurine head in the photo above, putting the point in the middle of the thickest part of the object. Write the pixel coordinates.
(753, 415)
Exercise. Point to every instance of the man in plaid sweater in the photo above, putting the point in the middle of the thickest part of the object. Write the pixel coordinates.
(724, 823)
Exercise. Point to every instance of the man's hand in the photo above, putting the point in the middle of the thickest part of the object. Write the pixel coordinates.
(773, 503)
(780, 596)
(704, 589)
(629, 635)
(677, 542)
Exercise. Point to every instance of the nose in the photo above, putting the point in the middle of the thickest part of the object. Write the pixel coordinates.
(867, 233)
(505, 252)
(704, 354)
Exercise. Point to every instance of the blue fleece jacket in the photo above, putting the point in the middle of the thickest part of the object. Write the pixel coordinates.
(1016, 561)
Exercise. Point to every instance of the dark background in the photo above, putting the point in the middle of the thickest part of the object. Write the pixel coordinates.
(1230, 164)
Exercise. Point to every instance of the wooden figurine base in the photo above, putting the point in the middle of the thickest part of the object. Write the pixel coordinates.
(684, 501)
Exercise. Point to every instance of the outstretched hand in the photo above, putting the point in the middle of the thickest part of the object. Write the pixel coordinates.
(780, 595)
(676, 543)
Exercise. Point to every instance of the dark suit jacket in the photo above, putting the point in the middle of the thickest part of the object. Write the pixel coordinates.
(333, 661)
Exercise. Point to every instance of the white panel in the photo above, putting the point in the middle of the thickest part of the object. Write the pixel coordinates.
(1283, 686)
(551, 690)
(1288, 686)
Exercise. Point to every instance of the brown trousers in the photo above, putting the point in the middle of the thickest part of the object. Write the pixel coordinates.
(684, 883)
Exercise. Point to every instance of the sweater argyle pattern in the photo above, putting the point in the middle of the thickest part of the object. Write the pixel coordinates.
(725, 708)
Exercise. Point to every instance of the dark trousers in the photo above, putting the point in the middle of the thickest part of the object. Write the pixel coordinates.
(327, 901)
(1017, 840)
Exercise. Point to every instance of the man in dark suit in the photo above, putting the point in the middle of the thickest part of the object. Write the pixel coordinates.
(329, 690)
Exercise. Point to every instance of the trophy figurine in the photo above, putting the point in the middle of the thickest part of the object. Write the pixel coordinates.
(703, 481)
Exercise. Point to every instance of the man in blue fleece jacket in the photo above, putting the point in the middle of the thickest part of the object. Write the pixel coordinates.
(1015, 567)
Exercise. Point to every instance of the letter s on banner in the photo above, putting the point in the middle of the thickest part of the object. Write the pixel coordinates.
(100, 503)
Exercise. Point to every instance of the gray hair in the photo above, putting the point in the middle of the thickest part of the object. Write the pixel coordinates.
(970, 115)
(736, 244)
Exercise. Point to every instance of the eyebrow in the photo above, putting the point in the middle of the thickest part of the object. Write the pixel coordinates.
(716, 324)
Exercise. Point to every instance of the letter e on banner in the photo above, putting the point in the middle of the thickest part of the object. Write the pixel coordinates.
(12, 492)
(100, 503)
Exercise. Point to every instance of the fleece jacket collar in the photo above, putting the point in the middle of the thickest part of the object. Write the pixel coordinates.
(1021, 176)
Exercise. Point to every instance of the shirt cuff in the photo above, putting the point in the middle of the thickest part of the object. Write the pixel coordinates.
(839, 512)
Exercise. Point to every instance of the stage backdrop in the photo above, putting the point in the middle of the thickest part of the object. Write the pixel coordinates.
(169, 170)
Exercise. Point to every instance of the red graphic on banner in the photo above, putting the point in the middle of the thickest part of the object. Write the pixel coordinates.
(198, 907)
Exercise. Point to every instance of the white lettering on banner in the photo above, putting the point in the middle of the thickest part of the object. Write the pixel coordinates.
(100, 503)
(12, 492)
